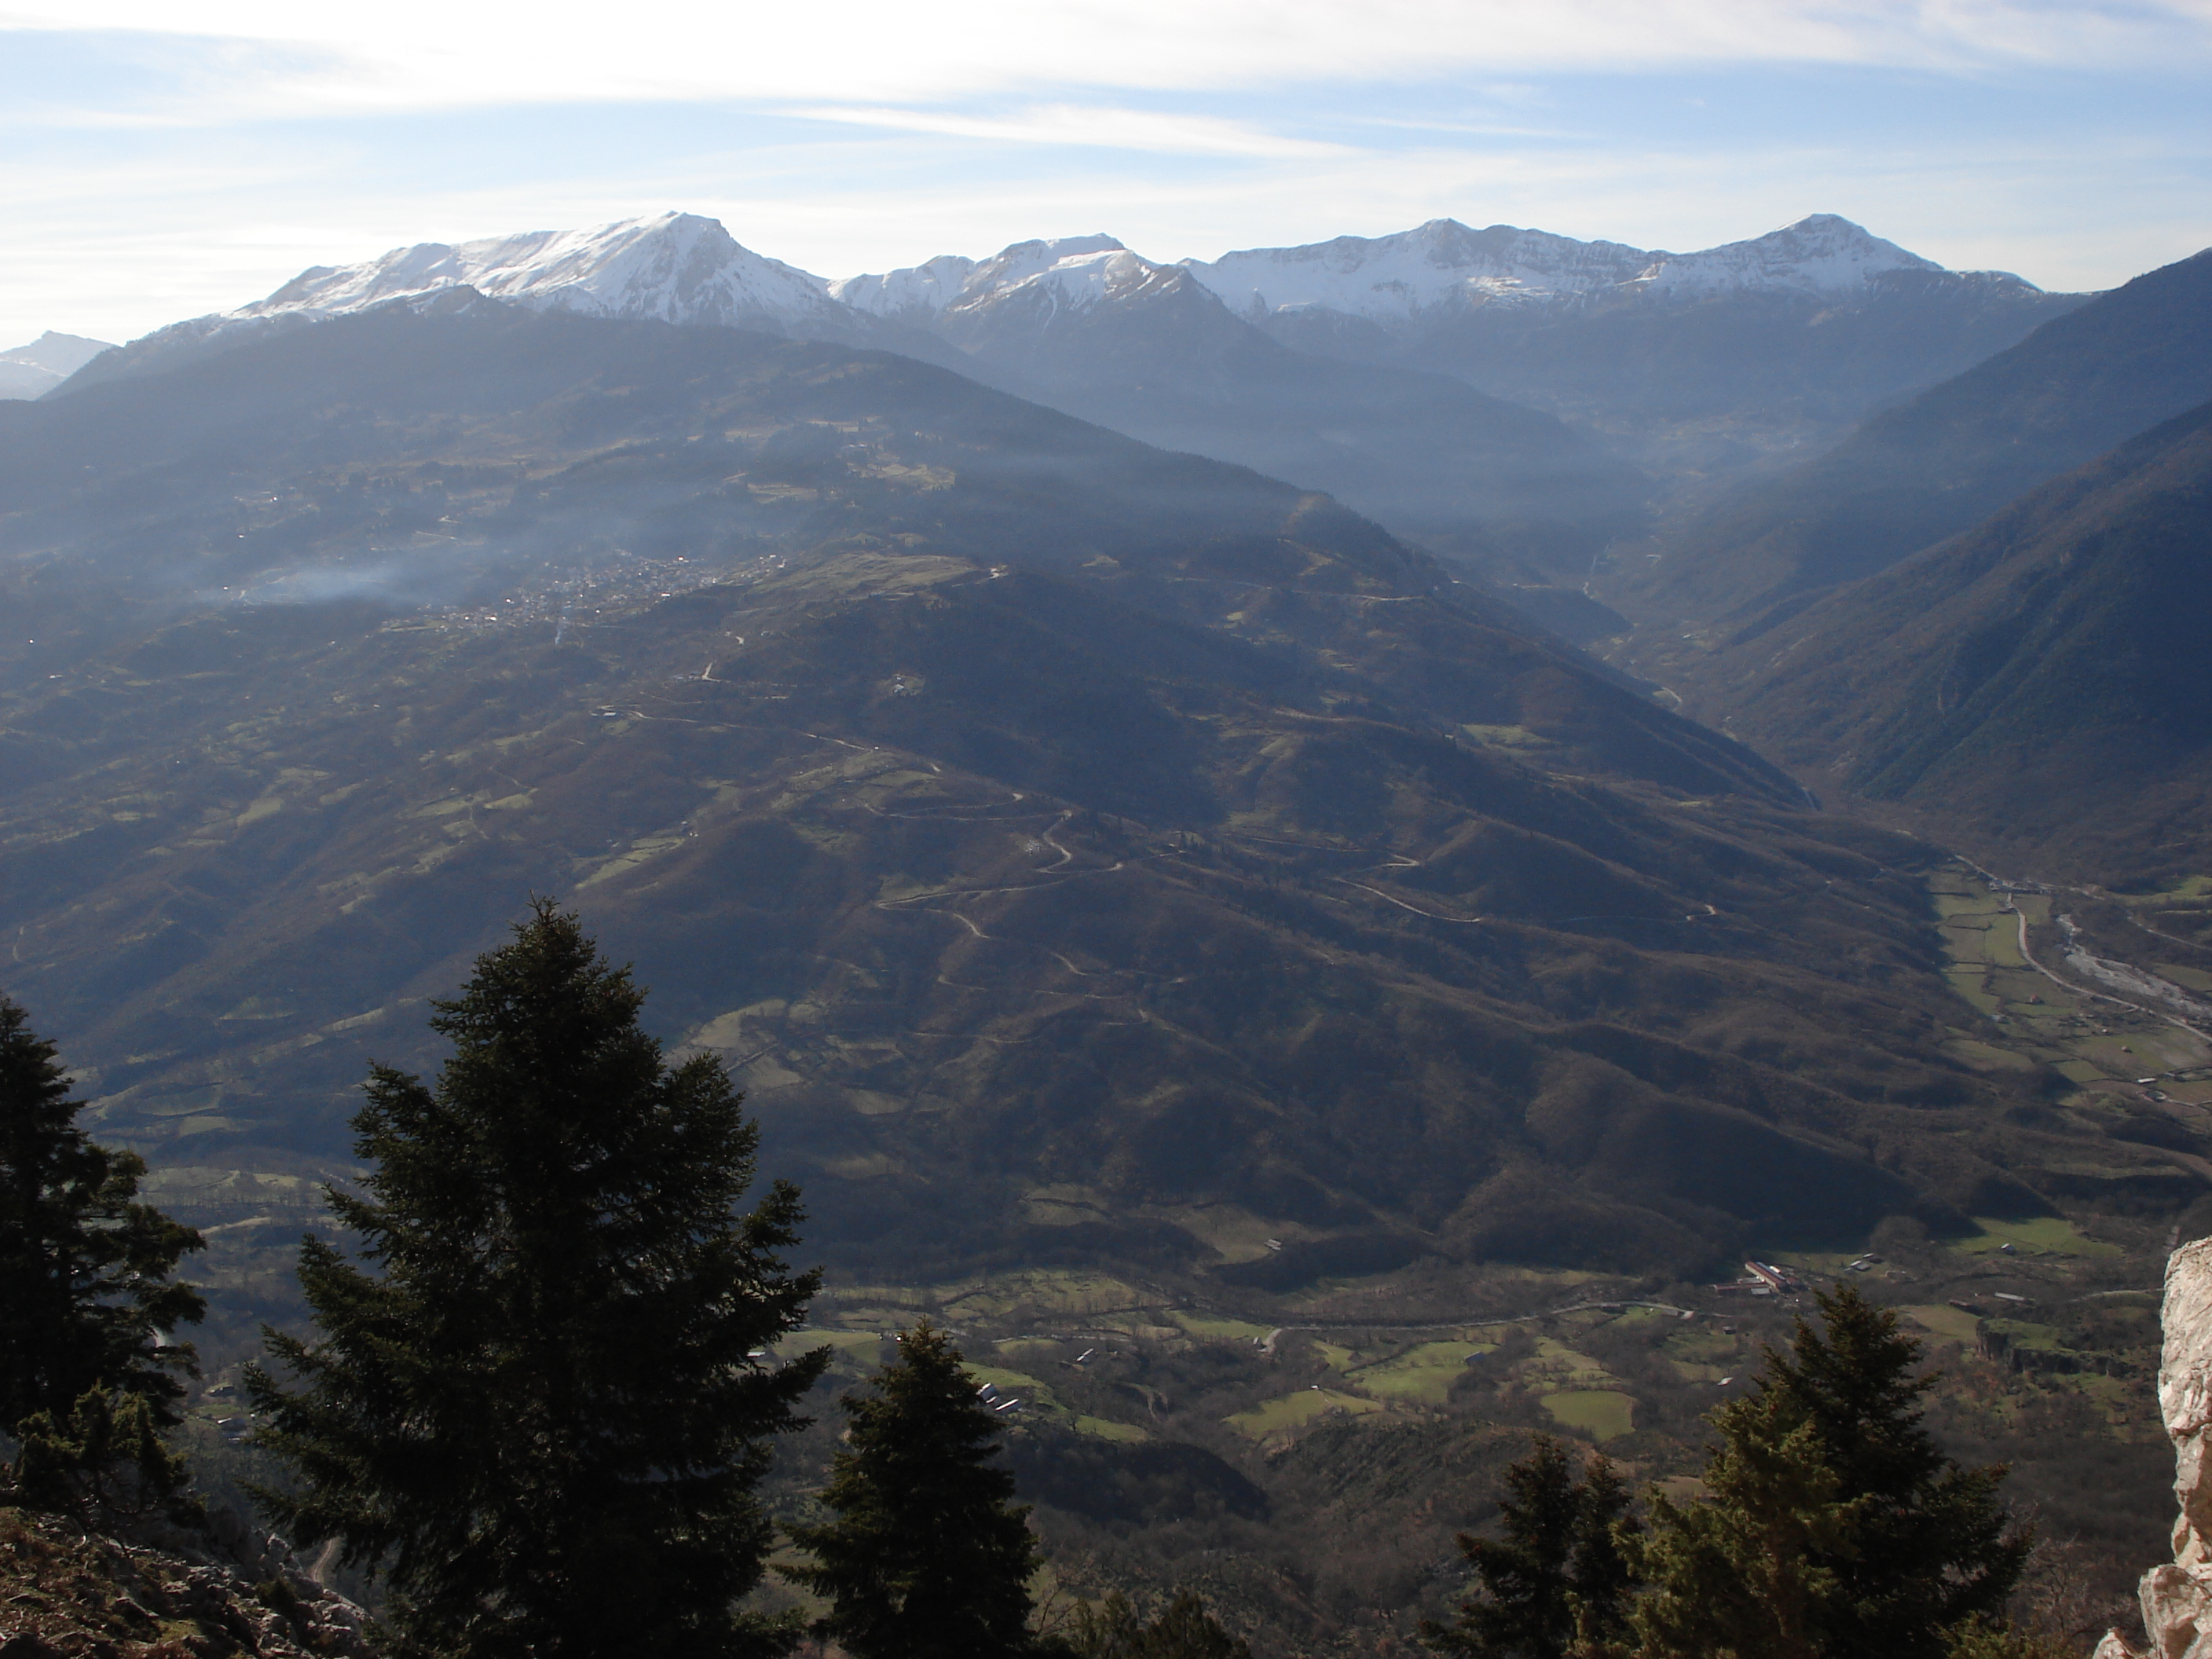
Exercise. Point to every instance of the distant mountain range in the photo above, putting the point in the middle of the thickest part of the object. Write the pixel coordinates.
(1444, 265)
(682, 267)
(1346, 366)
(1699, 360)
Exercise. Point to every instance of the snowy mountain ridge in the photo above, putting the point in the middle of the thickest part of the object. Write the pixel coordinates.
(1444, 264)
(669, 267)
(683, 268)
(1049, 273)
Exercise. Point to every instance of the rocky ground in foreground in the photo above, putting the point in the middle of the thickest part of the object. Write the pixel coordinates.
(66, 1593)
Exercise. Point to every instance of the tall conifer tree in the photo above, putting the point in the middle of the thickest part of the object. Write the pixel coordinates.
(1933, 1545)
(928, 1558)
(1557, 1578)
(540, 1406)
(85, 1288)
(1833, 1526)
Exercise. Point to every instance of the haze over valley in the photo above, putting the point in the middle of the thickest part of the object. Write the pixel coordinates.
(1314, 848)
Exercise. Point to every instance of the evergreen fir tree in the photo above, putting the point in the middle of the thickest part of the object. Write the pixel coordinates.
(1747, 1572)
(928, 1557)
(1602, 1577)
(85, 1288)
(1833, 1526)
(106, 1464)
(541, 1407)
(1932, 1546)
(1558, 1576)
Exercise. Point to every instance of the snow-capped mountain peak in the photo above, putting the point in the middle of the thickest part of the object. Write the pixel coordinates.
(1824, 254)
(1080, 279)
(1442, 263)
(669, 267)
(911, 294)
(1070, 265)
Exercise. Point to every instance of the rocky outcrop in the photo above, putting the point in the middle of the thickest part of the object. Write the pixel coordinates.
(2177, 1597)
(167, 1593)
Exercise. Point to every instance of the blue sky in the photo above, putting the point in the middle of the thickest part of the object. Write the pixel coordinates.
(161, 161)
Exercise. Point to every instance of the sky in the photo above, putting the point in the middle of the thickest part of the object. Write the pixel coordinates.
(160, 161)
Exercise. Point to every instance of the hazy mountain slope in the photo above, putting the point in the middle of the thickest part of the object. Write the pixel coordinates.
(2041, 684)
(1704, 362)
(1074, 847)
(1081, 325)
(1145, 349)
(2070, 391)
(33, 370)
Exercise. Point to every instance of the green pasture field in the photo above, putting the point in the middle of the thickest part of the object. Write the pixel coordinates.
(1422, 1375)
(2048, 1234)
(1290, 1411)
(1601, 1413)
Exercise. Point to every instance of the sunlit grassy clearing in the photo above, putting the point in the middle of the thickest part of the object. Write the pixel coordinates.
(1953, 1324)
(1559, 1362)
(1062, 1290)
(1599, 1413)
(1200, 1325)
(1233, 1234)
(1288, 1411)
(1425, 1374)
(1019, 1383)
(1107, 1428)
(2049, 1235)
(2183, 887)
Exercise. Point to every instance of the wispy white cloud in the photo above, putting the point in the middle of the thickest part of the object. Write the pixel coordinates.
(112, 252)
(1184, 126)
(1090, 125)
(420, 54)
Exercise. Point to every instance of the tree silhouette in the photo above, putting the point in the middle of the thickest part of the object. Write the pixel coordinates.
(928, 1557)
(541, 1404)
(86, 1293)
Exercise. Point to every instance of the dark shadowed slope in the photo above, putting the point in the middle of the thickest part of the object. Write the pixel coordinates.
(2077, 386)
(2040, 686)
(1712, 384)
(1077, 850)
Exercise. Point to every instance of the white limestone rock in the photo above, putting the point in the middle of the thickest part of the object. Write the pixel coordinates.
(2177, 1597)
